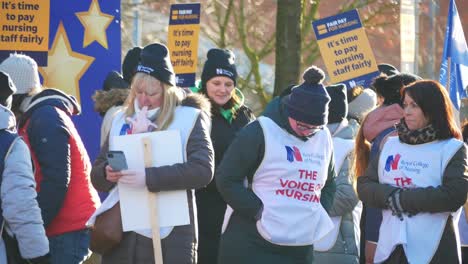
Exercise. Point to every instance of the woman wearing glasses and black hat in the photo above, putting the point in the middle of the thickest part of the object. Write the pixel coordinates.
(277, 176)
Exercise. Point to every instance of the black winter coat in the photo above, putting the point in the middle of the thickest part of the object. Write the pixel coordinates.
(210, 205)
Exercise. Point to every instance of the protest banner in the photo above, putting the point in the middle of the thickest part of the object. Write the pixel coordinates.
(166, 149)
(24, 27)
(345, 49)
(84, 46)
(184, 28)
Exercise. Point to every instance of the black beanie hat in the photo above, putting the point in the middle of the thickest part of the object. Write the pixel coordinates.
(155, 61)
(220, 62)
(387, 69)
(114, 81)
(338, 107)
(308, 102)
(389, 87)
(130, 63)
(7, 89)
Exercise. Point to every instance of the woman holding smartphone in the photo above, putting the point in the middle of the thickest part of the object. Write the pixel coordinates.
(156, 104)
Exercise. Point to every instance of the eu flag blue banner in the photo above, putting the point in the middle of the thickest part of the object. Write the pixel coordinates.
(84, 46)
(454, 67)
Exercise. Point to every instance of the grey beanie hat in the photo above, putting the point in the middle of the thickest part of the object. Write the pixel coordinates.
(362, 104)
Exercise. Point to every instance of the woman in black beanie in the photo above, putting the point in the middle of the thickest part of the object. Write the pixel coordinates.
(156, 104)
(278, 176)
(229, 115)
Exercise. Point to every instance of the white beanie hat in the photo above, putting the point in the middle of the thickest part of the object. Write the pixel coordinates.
(362, 104)
(23, 72)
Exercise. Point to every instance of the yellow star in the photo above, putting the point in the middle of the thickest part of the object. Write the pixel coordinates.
(65, 67)
(95, 23)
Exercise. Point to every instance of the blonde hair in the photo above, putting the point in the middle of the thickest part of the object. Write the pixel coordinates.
(172, 97)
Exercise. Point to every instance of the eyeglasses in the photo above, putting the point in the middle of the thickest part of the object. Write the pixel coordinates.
(310, 129)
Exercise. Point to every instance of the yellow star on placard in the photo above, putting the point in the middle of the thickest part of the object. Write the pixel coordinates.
(65, 67)
(95, 24)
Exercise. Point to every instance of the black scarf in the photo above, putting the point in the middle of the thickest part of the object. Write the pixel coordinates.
(414, 137)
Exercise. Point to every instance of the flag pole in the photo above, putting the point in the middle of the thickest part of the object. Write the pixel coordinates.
(456, 112)
(449, 62)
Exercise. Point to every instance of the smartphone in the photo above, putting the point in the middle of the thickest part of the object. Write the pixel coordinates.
(116, 160)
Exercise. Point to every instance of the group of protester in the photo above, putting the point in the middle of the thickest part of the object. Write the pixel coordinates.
(325, 174)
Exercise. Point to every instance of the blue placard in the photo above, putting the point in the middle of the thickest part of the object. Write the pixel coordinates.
(364, 80)
(39, 56)
(185, 14)
(337, 24)
(185, 79)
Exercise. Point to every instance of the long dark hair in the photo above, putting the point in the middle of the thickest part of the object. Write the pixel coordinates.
(434, 102)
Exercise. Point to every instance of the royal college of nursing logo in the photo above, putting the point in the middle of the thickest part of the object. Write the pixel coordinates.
(392, 163)
(293, 153)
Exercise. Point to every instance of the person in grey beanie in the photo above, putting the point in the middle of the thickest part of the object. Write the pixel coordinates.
(278, 178)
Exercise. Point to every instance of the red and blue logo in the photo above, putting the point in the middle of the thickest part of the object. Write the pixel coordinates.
(293, 153)
(126, 129)
(392, 163)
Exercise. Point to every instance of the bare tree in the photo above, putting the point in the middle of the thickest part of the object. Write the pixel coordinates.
(250, 25)
(288, 43)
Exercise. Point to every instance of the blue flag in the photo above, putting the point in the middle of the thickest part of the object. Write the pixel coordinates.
(454, 66)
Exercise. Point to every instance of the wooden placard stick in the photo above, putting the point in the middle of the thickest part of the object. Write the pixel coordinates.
(153, 202)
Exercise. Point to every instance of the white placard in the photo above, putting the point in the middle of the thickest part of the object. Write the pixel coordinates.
(134, 202)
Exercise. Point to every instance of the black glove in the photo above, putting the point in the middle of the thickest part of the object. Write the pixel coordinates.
(258, 215)
(393, 203)
(41, 260)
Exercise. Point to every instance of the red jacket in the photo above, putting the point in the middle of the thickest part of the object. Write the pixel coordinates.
(62, 166)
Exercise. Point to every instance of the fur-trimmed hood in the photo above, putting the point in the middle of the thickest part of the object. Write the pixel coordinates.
(104, 100)
(198, 101)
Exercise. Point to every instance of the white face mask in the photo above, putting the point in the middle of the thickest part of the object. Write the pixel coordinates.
(151, 114)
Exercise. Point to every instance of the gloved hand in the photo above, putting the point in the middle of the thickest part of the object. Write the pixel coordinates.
(393, 203)
(133, 178)
(258, 215)
(40, 260)
(140, 123)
